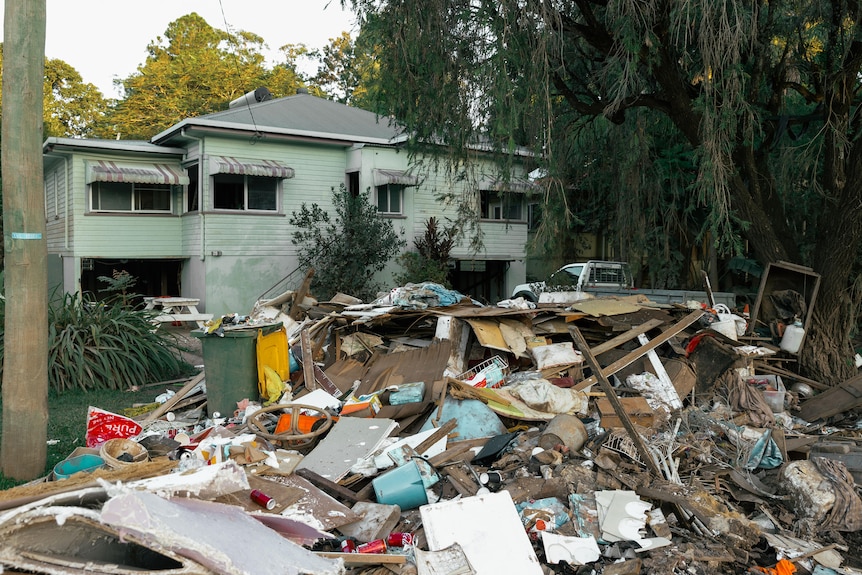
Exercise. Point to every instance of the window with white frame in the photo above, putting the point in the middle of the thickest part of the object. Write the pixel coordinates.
(130, 197)
(497, 205)
(390, 199)
(245, 193)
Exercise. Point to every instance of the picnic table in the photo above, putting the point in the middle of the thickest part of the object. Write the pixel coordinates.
(174, 309)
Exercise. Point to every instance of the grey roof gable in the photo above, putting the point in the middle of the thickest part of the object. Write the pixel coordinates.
(302, 114)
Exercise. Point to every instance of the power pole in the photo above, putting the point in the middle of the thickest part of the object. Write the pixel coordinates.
(23, 450)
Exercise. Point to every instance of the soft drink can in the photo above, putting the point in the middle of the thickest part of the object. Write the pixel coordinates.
(262, 499)
(376, 546)
(348, 546)
(400, 539)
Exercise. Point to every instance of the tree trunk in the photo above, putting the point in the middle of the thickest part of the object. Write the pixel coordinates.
(23, 452)
(828, 351)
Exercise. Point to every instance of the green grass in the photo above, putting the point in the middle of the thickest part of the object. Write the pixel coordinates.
(67, 418)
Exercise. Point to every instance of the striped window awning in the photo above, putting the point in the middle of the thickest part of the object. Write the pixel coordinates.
(109, 171)
(265, 168)
(400, 177)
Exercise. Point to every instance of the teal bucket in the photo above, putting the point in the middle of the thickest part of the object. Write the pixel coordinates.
(73, 465)
(402, 487)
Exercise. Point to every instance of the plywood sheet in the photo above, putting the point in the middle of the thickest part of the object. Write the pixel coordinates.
(349, 440)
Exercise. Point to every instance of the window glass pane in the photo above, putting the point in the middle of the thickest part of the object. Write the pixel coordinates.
(382, 199)
(193, 202)
(153, 197)
(389, 198)
(112, 196)
(395, 199)
(534, 216)
(512, 206)
(262, 193)
(228, 192)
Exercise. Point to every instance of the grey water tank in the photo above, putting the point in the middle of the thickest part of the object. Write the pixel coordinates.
(259, 95)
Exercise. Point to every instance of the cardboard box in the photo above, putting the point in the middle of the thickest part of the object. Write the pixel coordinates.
(636, 408)
(362, 406)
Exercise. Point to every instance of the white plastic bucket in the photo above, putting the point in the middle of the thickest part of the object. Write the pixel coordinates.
(728, 324)
(726, 327)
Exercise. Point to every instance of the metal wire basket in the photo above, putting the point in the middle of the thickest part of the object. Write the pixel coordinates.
(494, 371)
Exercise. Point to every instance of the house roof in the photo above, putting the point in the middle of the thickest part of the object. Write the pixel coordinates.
(302, 115)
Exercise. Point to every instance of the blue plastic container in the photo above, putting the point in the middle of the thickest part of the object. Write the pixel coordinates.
(69, 467)
(402, 486)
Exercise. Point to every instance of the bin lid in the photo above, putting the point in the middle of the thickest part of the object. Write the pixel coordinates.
(245, 330)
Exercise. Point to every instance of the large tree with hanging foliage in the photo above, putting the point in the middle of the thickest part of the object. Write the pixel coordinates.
(749, 106)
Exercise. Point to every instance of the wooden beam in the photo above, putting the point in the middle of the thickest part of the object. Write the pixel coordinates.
(176, 398)
(307, 361)
(775, 370)
(330, 487)
(630, 358)
(606, 386)
(364, 558)
(441, 432)
(299, 296)
(627, 336)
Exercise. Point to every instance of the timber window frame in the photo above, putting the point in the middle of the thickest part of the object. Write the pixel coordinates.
(131, 197)
(244, 193)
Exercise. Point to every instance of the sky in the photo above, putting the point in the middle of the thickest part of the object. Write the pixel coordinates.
(106, 40)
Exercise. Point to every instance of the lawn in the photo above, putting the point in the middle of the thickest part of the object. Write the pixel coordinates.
(67, 418)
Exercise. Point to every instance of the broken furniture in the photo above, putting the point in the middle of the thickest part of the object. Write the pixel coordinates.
(787, 291)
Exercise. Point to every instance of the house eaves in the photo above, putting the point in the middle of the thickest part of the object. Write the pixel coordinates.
(192, 125)
(55, 144)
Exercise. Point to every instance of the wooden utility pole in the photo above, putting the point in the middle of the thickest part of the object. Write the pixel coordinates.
(23, 450)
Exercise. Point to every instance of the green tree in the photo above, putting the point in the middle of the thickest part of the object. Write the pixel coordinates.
(345, 70)
(194, 70)
(345, 248)
(735, 80)
(71, 107)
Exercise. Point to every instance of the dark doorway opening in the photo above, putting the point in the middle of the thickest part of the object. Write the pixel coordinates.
(156, 277)
(483, 280)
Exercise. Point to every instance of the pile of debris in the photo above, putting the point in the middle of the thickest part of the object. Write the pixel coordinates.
(425, 433)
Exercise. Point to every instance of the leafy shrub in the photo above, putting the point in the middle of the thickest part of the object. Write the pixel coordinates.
(345, 249)
(93, 345)
(430, 263)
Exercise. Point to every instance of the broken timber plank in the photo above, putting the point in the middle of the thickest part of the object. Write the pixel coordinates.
(330, 487)
(441, 432)
(175, 399)
(299, 296)
(364, 558)
(775, 370)
(627, 336)
(449, 455)
(837, 400)
(307, 361)
(606, 386)
(629, 358)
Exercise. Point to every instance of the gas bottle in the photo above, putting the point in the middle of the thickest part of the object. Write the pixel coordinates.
(792, 338)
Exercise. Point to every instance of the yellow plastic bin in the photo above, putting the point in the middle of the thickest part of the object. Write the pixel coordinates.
(230, 364)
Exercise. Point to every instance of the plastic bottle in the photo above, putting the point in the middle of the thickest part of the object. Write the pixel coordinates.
(792, 338)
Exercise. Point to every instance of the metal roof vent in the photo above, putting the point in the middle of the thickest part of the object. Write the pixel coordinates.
(259, 95)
